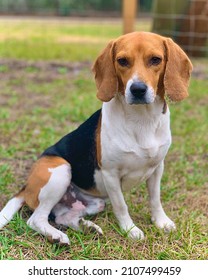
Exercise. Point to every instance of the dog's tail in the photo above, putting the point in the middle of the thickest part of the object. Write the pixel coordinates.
(12, 207)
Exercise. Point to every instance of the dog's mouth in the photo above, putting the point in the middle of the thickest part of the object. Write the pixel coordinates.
(139, 93)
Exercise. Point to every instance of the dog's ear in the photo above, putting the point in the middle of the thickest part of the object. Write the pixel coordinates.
(177, 72)
(105, 74)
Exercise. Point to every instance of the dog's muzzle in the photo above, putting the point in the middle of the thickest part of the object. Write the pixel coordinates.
(138, 93)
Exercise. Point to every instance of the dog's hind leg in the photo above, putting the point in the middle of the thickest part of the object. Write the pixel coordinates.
(56, 174)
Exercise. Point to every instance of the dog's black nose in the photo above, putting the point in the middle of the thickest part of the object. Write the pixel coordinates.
(138, 89)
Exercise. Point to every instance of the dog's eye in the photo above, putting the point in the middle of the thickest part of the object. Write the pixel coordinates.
(123, 62)
(155, 60)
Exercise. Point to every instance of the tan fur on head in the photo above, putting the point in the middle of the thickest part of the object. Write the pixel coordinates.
(177, 72)
(105, 75)
(171, 77)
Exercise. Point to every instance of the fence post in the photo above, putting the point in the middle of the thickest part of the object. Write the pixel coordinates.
(129, 15)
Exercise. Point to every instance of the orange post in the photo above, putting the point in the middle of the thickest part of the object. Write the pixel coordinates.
(129, 15)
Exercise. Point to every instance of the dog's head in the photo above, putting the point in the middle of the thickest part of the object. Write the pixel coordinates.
(141, 65)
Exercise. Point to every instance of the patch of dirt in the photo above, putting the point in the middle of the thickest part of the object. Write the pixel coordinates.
(198, 201)
(50, 69)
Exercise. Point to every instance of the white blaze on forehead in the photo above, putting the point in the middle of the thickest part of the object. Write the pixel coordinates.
(129, 83)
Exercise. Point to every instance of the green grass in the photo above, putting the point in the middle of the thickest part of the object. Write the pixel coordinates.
(57, 40)
(41, 101)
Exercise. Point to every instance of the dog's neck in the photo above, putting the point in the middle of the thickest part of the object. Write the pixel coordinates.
(143, 123)
(118, 106)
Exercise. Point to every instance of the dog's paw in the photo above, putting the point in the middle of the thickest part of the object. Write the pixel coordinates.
(165, 223)
(53, 235)
(135, 233)
(59, 237)
(90, 226)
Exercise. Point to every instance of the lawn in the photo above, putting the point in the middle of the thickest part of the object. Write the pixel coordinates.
(57, 39)
(47, 89)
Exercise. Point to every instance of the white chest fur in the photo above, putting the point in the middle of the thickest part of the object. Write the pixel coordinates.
(134, 140)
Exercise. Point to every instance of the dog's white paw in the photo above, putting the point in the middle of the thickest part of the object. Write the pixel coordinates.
(88, 225)
(135, 233)
(165, 223)
(59, 237)
(43, 227)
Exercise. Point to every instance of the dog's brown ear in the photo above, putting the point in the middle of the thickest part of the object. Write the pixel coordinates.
(177, 73)
(105, 75)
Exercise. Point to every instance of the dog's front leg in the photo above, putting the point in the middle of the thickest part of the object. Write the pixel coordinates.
(113, 188)
(159, 217)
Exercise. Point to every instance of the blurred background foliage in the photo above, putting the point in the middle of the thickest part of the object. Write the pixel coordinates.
(66, 7)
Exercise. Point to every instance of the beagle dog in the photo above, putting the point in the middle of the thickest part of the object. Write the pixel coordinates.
(117, 148)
